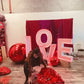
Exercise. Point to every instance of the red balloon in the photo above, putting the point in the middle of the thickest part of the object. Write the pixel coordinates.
(17, 52)
(54, 60)
(0, 59)
(4, 70)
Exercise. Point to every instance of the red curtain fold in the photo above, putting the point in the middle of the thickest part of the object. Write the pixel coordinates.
(68, 30)
(31, 29)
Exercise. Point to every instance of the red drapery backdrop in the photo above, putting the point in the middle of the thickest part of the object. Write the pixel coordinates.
(62, 28)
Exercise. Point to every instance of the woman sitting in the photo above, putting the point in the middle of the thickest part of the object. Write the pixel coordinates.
(33, 63)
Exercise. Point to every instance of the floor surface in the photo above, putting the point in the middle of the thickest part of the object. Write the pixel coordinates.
(73, 75)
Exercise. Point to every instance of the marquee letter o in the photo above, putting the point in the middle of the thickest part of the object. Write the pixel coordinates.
(49, 38)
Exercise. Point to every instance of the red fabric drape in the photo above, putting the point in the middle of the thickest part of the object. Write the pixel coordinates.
(67, 28)
(61, 28)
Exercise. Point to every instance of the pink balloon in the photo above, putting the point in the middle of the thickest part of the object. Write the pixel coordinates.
(17, 52)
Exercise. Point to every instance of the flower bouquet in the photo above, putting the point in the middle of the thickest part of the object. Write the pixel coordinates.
(49, 76)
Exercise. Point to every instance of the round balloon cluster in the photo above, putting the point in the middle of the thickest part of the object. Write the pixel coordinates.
(49, 76)
(17, 52)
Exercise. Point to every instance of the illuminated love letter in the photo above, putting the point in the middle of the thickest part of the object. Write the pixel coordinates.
(49, 38)
(28, 45)
(42, 45)
(51, 51)
(62, 49)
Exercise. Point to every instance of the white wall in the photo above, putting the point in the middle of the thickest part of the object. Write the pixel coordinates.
(20, 6)
(16, 25)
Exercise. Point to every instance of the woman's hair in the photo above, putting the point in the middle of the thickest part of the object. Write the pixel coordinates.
(36, 50)
(28, 60)
(30, 57)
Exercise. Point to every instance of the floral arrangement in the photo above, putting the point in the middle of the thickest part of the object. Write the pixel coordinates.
(49, 76)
